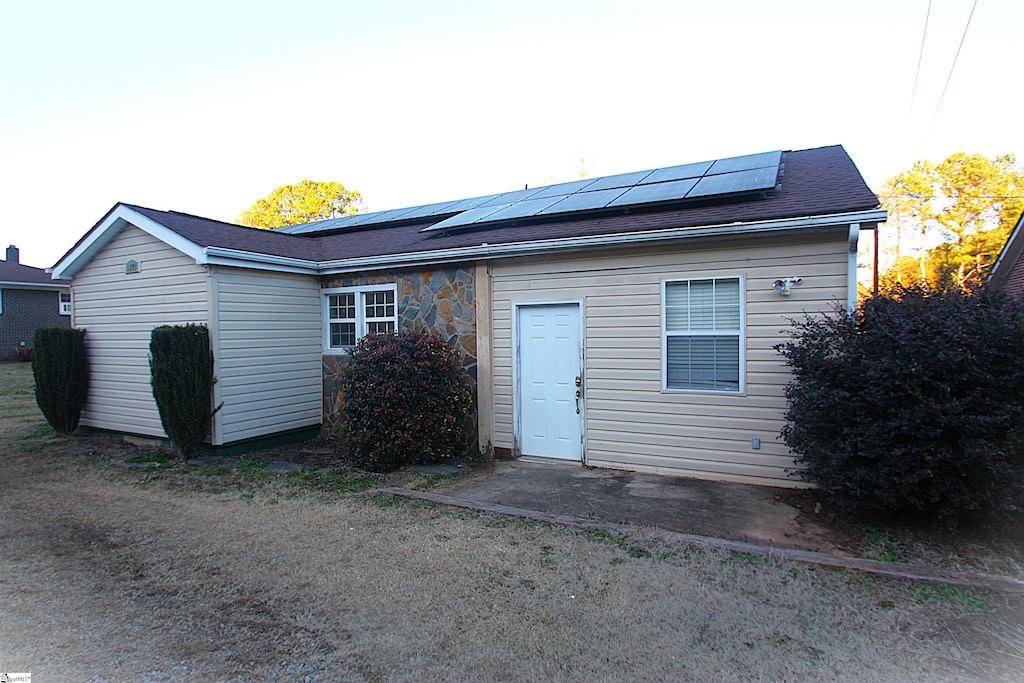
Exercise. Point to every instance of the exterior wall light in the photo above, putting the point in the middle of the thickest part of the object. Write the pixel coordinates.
(783, 286)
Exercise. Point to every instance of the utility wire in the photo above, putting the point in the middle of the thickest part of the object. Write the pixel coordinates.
(955, 58)
(920, 58)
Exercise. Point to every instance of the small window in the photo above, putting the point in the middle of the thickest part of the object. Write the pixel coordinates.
(703, 334)
(65, 303)
(1, 301)
(354, 312)
(132, 267)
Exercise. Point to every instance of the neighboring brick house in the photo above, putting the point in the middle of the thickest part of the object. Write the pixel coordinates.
(29, 299)
(1008, 272)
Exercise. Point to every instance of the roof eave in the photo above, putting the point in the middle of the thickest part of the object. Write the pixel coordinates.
(1010, 253)
(110, 227)
(535, 247)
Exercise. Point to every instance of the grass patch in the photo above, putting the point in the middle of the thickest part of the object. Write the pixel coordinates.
(386, 500)
(154, 457)
(206, 470)
(39, 431)
(248, 468)
(882, 547)
(333, 480)
(953, 596)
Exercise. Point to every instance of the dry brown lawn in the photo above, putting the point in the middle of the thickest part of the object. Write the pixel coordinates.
(108, 573)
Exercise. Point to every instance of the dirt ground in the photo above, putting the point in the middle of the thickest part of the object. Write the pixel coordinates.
(112, 573)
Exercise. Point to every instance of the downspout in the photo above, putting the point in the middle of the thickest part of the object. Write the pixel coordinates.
(851, 268)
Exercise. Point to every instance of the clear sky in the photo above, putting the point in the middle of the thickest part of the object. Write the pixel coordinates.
(206, 106)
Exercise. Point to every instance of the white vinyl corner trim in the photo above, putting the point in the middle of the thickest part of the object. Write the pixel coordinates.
(851, 267)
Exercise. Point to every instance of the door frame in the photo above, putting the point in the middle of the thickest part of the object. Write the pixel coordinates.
(517, 306)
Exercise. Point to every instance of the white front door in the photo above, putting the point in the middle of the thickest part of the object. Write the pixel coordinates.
(550, 356)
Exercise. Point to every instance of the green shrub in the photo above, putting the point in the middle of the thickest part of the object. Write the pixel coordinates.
(61, 372)
(181, 365)
(913, 404)
(403, 399)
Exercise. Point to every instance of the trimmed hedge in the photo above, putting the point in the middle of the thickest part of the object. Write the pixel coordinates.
(404, 397)
(181, 365)
(61, 372)
(912, 405)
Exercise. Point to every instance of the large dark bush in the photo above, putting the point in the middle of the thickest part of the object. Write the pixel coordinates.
(182, 376)
(61, 372)
(403, 399)
(913, 404)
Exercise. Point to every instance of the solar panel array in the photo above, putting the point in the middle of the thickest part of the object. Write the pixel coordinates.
(733, 176)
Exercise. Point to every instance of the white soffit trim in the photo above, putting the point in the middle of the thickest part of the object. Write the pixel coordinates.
(111, 227)
(618, 239)
(14, 284)
(219, 256)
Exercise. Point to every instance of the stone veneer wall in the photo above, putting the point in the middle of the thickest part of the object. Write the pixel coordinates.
(441, 301)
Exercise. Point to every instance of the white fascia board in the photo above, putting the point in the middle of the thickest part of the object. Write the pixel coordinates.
(110, 228)
(618, 239)
(34, 285)
(219, 256)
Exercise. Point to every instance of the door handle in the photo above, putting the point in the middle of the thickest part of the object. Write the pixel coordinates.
(579, 393)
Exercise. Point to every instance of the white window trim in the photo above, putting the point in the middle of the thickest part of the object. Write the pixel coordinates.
(742, 337)
(64, 306)
(360, 312)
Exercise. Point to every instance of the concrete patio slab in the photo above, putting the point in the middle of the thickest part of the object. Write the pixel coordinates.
(694, 506)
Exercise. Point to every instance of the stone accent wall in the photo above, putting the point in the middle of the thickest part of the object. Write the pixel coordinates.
(24, 310)
(439, 300)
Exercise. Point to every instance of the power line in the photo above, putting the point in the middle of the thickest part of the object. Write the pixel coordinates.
(955, 58)
(920, 58)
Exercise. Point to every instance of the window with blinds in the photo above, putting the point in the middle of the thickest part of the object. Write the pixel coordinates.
(703, 334)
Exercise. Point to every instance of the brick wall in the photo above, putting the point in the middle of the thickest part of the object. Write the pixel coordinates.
(24, 310)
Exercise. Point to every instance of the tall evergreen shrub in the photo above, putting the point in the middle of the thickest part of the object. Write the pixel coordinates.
(914, 404)
(61, 372)
(181, 365)
(404, 397)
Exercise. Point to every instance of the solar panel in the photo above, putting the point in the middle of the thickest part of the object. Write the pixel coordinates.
(466, 218)
(745, 163)
(564, 189)
(514, 196)
(527, 207)
(320, 226)
(732, 183)
(677, 172)
(735, 175)
(581, 201)
(621, 180)
(656, 192)
(465, 204)
(428, 210)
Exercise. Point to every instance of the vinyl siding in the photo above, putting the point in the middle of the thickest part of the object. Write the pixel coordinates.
(268, 346)
(119, 312)
(629, 420)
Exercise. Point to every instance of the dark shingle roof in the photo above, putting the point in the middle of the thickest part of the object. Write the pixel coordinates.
(22, 274)
(817, 181)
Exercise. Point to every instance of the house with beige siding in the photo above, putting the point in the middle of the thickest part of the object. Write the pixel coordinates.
(1007, 273)
(626, 321)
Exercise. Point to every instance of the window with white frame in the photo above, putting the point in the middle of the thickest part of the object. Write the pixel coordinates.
(65, 303)
(703, 334)
(353, 312)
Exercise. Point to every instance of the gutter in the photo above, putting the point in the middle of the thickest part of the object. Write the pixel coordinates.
(618, 239)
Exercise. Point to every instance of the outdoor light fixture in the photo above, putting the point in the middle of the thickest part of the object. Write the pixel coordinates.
(783, 286)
